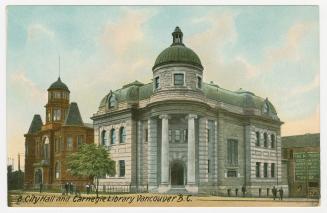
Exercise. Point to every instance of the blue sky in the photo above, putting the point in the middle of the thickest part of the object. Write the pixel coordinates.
(272, 51)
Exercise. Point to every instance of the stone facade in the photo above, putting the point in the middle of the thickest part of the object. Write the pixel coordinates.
(184, 135)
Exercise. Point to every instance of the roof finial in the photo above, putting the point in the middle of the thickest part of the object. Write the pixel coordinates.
(59, 67)
(177, 37)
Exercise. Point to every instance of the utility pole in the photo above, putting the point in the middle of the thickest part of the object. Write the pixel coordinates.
(18, 162)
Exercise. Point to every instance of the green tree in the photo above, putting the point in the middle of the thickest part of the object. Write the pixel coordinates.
(91, 161)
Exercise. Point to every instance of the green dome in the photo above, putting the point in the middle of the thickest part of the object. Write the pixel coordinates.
(178, 53)
(58, 85)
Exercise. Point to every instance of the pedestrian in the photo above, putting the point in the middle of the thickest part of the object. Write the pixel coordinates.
(87, 188)
(70, 188)
(228, 192)
(41, 187)
(243, 190)
(274, 191)
(66, 187)
(236, 192)
(260, 192)
(281, 192)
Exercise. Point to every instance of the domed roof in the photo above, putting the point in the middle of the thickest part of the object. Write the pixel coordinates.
(178, 53)
(58, 85)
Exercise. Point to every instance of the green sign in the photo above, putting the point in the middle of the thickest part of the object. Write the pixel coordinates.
(307, 166)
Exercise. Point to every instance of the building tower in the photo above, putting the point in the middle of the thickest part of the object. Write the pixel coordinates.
(58, 103)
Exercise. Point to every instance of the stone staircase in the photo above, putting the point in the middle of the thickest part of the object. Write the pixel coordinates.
(177, 190)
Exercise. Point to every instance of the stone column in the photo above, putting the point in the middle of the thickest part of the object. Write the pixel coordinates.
(191, 184)
(164, 185)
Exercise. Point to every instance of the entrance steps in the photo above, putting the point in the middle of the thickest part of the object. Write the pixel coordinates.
(177, 190)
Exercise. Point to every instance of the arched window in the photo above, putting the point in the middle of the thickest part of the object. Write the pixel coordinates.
(46, 148)
(112, 136)
(57, 169)
(122, 135)
(265, 139)
(112, 101)
(266, 107)
(104, 138)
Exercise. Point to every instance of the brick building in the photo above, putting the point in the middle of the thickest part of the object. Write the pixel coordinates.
(301, 164)
(178, 133)
(48, 144)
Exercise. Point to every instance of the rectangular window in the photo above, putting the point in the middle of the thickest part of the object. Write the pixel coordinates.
(231, 173)
(257, 169)
(257, 143)
(232, 152)
(57, 95)
(156, 82)
(179, 79)
(208, 166)
(112, 136)
(199, 82)
(185, 135)
(272, 137)
(69, 143)
(56, 114)
(177, 136)
(265, 170)
(208, 135)
(121, 168)
(49, 116)
(80, 140)
(272, 170)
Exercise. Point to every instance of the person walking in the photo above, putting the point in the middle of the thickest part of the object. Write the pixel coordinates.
(87, 188)
(274, 191)
(66, 187)
(236, 192)
(41, 187)
(243, 190)
(281, 192)
(70, 188)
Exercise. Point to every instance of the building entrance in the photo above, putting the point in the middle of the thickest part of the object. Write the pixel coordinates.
(177, 173)
(38, 177)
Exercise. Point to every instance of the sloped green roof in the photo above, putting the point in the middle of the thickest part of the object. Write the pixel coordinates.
(240, 98)
(73, 116)
(178, 54)
(307, 140)
(58, 85)
(35, 125)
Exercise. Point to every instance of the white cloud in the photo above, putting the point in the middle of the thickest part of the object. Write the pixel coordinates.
(315, 83)
(25, 85)
(121, 36)
(290, 48)
(38, 31)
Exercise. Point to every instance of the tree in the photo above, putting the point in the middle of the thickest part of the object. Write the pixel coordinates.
(91, 161)
(15, 179)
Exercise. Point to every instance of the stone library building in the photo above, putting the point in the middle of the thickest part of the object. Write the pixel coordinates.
(180, 134)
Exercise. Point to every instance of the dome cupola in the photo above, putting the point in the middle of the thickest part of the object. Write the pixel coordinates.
(58, 85)
(177, 67)
(178, 53)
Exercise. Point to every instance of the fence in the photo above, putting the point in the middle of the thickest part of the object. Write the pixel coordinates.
(77, 189)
